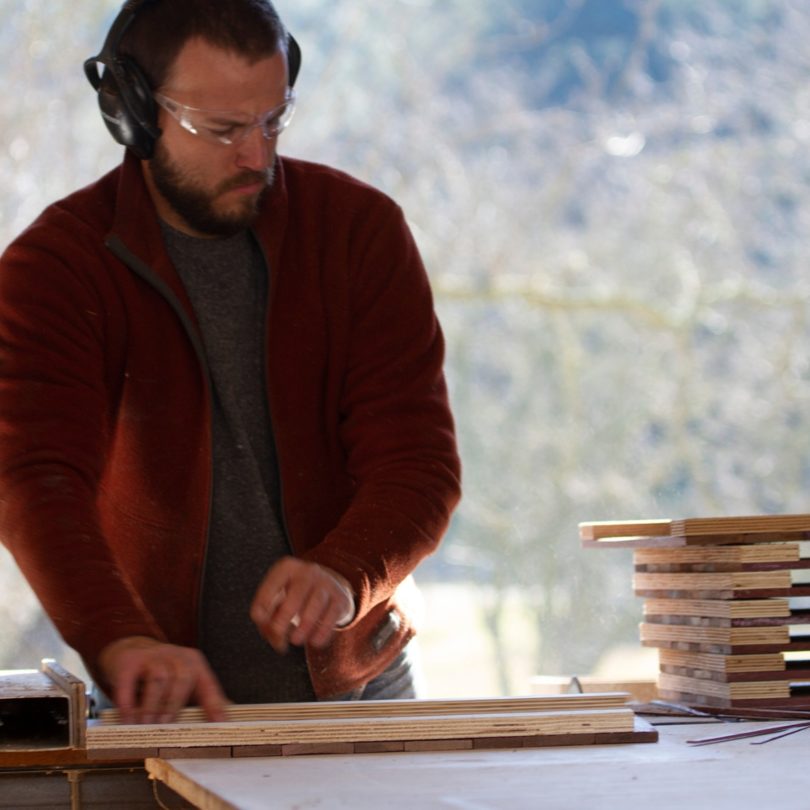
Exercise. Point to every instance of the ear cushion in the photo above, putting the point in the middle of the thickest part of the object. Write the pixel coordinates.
(127, 107)
(293, 59)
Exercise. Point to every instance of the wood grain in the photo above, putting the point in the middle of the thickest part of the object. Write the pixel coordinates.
(374, 729)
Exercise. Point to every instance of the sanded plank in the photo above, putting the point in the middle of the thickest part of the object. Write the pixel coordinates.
(747, 524)
(100, 738)
(710, 702)
(598, 530)
(342, 709)
(719, 608)
(734, 691)
(690, 555)
(771, 525)
(723, 581)
(733, 636)
(766, 662)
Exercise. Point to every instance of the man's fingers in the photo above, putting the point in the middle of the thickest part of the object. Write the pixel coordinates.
(211, 697)
(156, 684)
(300, 602)
(151, 681)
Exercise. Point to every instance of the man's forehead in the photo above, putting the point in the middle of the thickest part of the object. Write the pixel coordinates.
(207, 75)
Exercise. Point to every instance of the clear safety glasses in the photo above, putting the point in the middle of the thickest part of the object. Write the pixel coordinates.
(228, 127)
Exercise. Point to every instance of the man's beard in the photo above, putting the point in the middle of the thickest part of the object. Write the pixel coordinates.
(197, 206)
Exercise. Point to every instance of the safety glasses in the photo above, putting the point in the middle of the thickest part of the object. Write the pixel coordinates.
(228, 127)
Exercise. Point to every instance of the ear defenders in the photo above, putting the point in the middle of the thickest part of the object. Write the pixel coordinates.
(124, 95)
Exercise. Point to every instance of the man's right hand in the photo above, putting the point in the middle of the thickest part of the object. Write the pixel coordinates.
(151, 681)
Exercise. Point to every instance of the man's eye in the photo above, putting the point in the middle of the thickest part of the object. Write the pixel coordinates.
(224, 130)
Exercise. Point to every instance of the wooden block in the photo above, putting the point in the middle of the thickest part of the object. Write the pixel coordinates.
(210, 752)
(748, 528)
(309, 749)
(493, 743)
(728, 581)
(722, 663)
(438, 745)
(385, 747)
(255, 751)
(652, 634)
(122, 755)
(721, 608)
(730, 691)
(722, 555)
(546, 741)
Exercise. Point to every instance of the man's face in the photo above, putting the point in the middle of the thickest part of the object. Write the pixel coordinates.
(211, 189)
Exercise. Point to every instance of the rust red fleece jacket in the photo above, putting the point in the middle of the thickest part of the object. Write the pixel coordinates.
(105, 446)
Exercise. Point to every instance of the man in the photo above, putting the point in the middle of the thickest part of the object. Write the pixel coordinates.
(224, 433)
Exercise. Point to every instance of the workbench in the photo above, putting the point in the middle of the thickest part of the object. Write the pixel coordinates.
(666, 775)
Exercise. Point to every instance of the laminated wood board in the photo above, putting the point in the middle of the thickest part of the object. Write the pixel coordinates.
(723, 664)
(744, 690)
(376, 729)
(794, 619)
(343, 709)
(719, 608)
(653, 635)
(710, 702)
(374, 726)
(730, 582)
(724, 555)
(695, 531)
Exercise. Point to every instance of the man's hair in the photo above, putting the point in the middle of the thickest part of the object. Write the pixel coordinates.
(251, 28)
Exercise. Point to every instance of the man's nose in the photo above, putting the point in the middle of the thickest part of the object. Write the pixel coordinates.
(255, 152)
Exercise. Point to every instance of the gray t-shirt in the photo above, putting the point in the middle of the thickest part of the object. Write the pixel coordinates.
(227, 282)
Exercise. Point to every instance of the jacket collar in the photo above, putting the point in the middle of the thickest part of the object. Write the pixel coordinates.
(136, 225)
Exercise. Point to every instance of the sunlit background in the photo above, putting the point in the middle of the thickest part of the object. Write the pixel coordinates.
(612, 198)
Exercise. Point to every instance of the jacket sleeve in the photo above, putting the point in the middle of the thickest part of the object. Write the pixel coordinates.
(55, 421)
(396, 425)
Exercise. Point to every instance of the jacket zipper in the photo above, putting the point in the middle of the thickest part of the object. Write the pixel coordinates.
(142, 270)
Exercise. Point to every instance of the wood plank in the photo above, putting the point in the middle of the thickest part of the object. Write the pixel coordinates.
(599, 530)
(338, 709)
(732, 636)
(746, 524)
(692, 555)
(768, 662)
(687, 528)
(795, 619)
(732, 581)
(503, 724)
(719, 608)
(732, 691)
(680, 533)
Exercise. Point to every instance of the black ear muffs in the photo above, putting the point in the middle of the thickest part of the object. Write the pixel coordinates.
(124, 95)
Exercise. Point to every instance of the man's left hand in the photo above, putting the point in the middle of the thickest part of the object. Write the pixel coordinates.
(300, 602)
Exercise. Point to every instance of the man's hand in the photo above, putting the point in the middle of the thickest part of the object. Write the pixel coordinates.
(151, 681)
(299, 602)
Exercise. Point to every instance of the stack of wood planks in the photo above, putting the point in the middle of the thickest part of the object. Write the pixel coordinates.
(727, 604)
